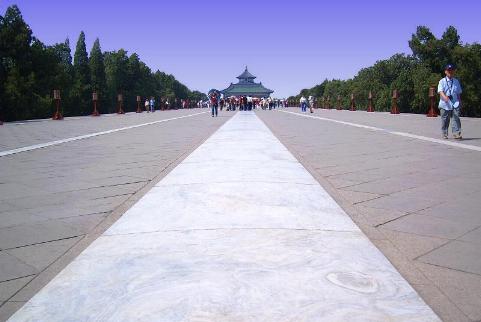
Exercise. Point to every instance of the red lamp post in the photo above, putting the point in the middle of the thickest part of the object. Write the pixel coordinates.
(395, 96)
(353, 103)
(370, 107)
(139, 110)
(56, 96)
(432, 102)
(120, 100)
(95, 98)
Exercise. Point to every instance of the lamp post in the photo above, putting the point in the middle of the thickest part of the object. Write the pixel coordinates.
(95, 98)
(432, 101)
(370, 107)
(139, 110)
(339, 107)
(328, 102)
(120, 100)
(395, 96)
(353, 103)
(56, 96)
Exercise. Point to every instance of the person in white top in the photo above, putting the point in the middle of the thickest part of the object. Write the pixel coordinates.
(146, 105)
(450, 90)
(303, 102)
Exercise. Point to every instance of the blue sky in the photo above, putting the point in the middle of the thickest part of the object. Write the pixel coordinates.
(288, 45)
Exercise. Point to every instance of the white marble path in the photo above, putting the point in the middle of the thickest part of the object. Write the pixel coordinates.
(239, 231)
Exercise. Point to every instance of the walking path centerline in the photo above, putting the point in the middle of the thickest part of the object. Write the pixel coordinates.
(404, 134)
(86, 136)
(207, 244)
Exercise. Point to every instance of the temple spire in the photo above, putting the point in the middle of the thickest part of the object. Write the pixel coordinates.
(246, 76)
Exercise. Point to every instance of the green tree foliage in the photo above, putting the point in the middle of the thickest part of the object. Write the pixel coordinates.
(411, 75)
(81, 86)
(16, 67)
(31, 70)
(97, 75)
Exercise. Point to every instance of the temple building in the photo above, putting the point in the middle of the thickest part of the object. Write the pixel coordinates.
(247, 87)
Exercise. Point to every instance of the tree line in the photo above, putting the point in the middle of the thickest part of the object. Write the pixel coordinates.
(411, 75)
(30, 70)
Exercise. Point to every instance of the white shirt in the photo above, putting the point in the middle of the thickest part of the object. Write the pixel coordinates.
(450, 87)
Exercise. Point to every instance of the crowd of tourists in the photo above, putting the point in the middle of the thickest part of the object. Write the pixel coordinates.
(151, 105)
(242, 103)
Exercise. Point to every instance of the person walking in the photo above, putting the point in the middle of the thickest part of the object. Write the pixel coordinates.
(303, 102)
(221, 103)
(312, 101)
(146, 105)
(449, 89)
(152, 104)
(214, 103)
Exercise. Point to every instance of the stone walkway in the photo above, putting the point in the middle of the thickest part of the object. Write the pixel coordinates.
(239, 231)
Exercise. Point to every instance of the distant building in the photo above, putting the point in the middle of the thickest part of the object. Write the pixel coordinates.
(247, 87)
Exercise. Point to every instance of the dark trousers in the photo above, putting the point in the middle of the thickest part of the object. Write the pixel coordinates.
(214, 109)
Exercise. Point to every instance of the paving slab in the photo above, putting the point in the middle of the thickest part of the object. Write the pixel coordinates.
(425, 225)
(42, 255)
(9, 288)
(458, 255)
(177, 256)
(461, 288)
(8, 308)
(29, 234)
(377, 217)
(472, 237)
(12, 268)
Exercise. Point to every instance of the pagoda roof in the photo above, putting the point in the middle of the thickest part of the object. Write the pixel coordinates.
(246, 89)
(246, 75)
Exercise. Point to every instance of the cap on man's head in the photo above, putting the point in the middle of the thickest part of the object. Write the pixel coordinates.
(449, 67)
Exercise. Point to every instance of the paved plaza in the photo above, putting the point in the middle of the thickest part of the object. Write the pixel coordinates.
(275, 216)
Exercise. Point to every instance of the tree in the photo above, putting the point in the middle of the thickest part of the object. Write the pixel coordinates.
(97, 74)
(468, 60)
(81, 86)
(15, 65)
(116, 72)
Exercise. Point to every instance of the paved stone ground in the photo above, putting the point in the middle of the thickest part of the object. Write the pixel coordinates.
(55, 201)
(238, 231)
(20, 134)
(418, 201)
